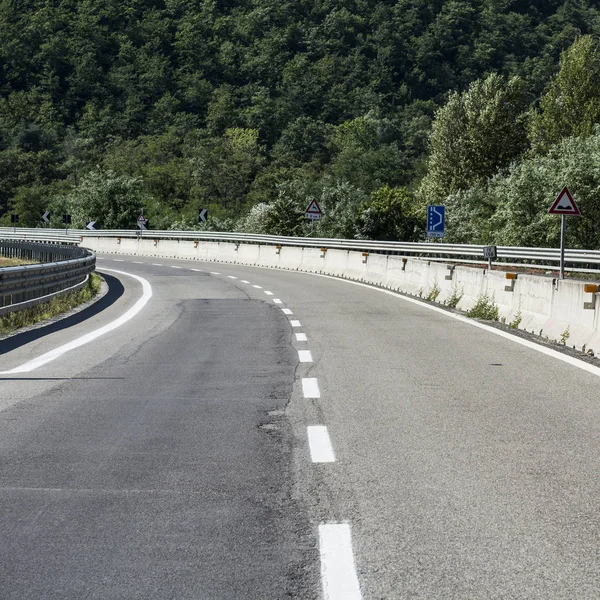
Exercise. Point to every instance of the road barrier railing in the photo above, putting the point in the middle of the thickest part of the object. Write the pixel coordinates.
(535, 258)
(60, 268)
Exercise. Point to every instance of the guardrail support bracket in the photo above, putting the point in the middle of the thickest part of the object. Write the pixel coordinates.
(512, 277)
(590, 288)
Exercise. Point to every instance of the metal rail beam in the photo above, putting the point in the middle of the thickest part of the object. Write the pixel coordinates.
(538, 258)
(60, 268)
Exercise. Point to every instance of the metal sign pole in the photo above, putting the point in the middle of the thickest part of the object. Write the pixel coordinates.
(563, 225)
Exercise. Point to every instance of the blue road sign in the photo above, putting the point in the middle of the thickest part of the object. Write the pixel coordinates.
(436, 219)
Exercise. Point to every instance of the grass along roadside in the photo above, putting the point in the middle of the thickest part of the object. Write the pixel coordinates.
(13, 262)
(30, 316)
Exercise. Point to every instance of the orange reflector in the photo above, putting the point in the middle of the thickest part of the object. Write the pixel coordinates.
(511, 276)
(405, 260)
(365, 254)
(590, 288)
(323, 249)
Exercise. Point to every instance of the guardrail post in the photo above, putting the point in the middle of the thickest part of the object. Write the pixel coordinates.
(365, 257)
(449, 268)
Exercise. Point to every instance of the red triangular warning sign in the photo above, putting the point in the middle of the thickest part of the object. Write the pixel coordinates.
(313, 208)
(565, 205)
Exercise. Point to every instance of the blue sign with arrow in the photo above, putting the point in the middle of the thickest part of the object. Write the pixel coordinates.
(436, 219)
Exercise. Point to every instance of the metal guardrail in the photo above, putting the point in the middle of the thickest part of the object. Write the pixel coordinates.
(535, 258)
(61, 268)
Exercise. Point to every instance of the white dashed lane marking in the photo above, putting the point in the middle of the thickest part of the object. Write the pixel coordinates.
(277, 301)
(305, 356)
(175, 267)
(310, 387)
(244, 281)
(269, 293)
(156, 265)
(231, 277)
(338, 573)
(214, 273)
(321, 450)
(197, 270)
(258, 287)
(295, 323)
(137, 262)
(301, 337)
(118, 260)
(287, 311)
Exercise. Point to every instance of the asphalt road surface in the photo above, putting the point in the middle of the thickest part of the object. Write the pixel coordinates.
(247, 433)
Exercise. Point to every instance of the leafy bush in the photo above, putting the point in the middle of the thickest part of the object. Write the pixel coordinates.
(484, 308)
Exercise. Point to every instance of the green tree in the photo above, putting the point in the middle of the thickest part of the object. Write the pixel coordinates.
(475, 134)
(390, 215)
(518, 200)
(571, 106)
(113, 200)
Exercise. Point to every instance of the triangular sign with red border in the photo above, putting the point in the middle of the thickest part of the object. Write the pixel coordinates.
(313, 208)
(565, 205)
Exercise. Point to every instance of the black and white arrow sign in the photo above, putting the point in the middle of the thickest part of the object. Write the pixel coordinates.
(90, 226)
(46, 217)
(203, 215)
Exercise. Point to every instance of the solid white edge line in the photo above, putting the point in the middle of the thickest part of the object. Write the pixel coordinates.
(89, 337)
(301, 337)
(305, 356)
(338, 573)
(319, 443)
(593, 370)
(295, 323)
(575, 362)
(310, 387)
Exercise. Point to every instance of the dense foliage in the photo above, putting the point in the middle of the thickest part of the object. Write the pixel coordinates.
(251, 108)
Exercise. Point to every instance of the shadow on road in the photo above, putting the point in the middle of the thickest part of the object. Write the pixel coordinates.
(115, 291)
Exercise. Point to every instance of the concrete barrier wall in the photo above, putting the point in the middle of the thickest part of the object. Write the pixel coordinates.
(539, 304)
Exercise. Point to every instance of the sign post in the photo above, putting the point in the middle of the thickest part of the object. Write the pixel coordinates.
(491, 253)
(66, 220)
(142, 223)
(436, 220)
(564, 205)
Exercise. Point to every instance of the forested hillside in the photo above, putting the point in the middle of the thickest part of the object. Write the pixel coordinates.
(250, 108)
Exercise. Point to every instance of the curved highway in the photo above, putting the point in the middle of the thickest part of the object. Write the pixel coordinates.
(213, 431)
